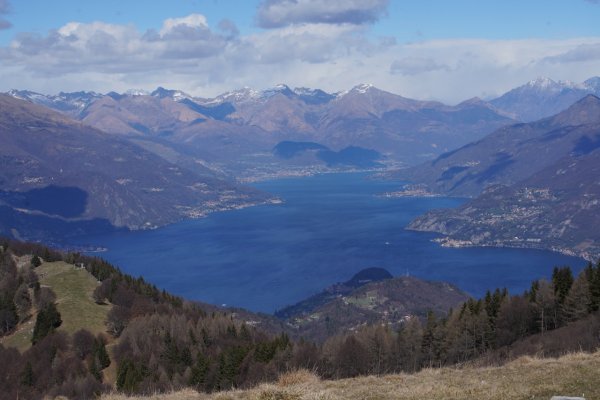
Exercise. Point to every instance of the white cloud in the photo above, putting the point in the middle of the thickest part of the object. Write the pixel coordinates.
(581, 53)
(185, 53)
(193, 21)
(279, 13)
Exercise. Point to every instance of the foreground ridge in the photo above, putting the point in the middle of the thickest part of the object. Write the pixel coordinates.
(574, 374)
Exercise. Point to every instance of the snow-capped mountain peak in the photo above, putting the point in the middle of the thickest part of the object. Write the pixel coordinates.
(73, 102)
(593, 84)
(176, 95)
(236, 96)
(280, 88)
(26, 95)
(313, 96)
(361, 89)
(542, 83)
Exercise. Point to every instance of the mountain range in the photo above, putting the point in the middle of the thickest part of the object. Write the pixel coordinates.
(236, 131)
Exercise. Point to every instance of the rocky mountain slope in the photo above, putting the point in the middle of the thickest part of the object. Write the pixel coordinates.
(541, 180)
(557, 208)
(512, 153)
(57, 171)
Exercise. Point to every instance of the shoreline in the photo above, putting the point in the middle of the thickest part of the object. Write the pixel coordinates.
(449, 242)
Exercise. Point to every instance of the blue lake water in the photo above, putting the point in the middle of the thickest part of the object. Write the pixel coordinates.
(329, 227)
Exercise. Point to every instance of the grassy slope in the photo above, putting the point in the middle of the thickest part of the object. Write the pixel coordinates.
(73, 288)
(525, 378)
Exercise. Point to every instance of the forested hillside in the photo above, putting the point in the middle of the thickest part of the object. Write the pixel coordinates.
(156, 342)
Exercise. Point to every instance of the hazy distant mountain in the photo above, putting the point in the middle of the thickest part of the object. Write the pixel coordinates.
(544, 97)
(350, 156)
(56, 168)
(512, 153)
(236, 130)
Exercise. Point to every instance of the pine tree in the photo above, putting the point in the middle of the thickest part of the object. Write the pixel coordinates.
(594, 280)
(532, 293)
(100, 354)
(562, 280)
(129, 376)
(94, 370)
(8, 313)
(35, 261)
(48, 319)
(199, 371)
(432, 338)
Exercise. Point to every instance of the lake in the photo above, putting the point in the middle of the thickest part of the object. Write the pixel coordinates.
(329, 227)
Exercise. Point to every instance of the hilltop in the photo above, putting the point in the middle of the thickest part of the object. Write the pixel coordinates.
(372, 296)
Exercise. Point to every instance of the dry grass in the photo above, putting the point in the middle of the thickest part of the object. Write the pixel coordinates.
(526, 378)
(299, 377)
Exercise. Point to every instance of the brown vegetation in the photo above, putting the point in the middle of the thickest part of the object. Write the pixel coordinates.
(526, 378)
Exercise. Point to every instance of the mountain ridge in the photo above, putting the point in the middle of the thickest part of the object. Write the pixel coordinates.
(534, 185)
(509, 154)
(543, 97)
(123, 184)
(240, 124)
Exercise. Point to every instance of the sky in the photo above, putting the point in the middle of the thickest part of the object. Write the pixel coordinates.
(446, 50)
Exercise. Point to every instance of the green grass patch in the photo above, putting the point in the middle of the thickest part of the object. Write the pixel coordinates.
(21, 338)
(74, 287)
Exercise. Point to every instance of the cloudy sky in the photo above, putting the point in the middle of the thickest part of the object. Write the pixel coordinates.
(426, 49)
